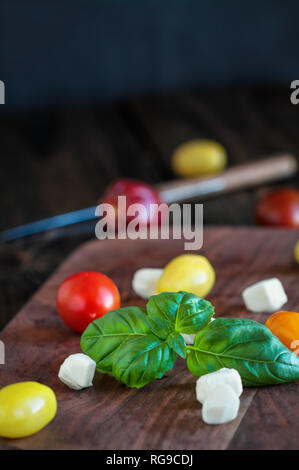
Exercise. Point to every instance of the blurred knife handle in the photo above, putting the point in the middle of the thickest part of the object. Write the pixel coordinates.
(239, 177)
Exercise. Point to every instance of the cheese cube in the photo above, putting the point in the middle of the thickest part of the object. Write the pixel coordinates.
(265, 296)
(77, 371)
(208, 382)
(63, 376)
(221, 406)
(189, 339)
(145, 282)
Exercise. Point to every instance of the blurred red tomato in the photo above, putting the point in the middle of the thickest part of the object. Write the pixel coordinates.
(85, 296)
(136, 192)
(279, 208)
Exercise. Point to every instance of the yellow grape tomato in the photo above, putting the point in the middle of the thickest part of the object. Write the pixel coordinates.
(25, 408)
(198, 157)
(296, 251)
(190, 273)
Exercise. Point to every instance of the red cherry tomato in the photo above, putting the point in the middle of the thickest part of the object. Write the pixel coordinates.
(279, 208)
(136, 192)
(85, 296)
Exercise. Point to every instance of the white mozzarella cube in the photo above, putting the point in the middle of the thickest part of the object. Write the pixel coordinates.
(63, 376)
(189, 339)
(221, 406)
(265, 296)
(145, 282)
(77, 371)
(208, 382)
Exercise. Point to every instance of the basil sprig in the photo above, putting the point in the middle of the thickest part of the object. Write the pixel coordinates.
(245, 345)
(181, 311)
(138, 346)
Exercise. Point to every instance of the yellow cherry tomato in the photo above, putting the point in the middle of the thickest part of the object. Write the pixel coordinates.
(285, 326)
(190, 273)
(296, 251)
(25, 408)
(198, 157)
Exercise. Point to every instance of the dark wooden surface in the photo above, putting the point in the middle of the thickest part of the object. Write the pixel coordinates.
(62, 159)
(164, 414)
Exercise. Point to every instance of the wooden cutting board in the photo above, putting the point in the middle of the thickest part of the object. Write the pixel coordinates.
(164, 414)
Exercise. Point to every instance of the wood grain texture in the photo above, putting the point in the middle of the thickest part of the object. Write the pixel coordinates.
(164, 414)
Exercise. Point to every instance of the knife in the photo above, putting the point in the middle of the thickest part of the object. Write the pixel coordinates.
(235, 178)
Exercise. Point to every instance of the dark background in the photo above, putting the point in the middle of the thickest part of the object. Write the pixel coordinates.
(85, 50)
(101, 89)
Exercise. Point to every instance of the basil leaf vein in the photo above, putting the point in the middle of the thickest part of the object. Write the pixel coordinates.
(105, 335)
(184, 312)
(245, 345)
(141, 360)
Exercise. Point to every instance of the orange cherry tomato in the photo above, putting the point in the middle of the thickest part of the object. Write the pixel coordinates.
(285, 325)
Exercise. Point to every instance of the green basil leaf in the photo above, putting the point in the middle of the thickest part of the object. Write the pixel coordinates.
(176, 342)
(141, 360)
(187, 312)
(161, 327)
(103, 337)
(245, 345)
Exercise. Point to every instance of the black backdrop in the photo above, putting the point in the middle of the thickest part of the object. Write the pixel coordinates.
(86, 50)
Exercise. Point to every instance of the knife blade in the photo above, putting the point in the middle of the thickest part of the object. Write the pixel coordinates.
(235, 178)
